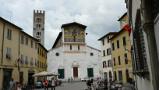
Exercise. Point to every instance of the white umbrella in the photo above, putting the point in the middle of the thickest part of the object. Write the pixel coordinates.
(43, 73)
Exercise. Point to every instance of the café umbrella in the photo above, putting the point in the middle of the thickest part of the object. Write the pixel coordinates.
(44, 73)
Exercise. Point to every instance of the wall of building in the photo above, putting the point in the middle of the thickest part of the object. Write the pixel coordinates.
(156, 26)
(68, 60)
(107, 45)
(120, 52)
(141, 83)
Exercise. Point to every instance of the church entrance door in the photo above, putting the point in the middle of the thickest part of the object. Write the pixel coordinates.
(75, 72)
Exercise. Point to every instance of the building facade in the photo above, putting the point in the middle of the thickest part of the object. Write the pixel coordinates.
(18, 55)
(70, 57)
(144, 19)
(106, 56)
(121, 53)
(39, 25)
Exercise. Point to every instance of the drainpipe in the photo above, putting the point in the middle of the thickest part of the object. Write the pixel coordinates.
(2, 44)
(148, 25)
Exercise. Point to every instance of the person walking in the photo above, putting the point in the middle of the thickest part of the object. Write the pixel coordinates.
(53, 84)
(12, 84)
(45, 84)
(129, 85)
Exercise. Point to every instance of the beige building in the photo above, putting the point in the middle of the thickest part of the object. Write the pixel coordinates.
(121, 53)
(18, 55)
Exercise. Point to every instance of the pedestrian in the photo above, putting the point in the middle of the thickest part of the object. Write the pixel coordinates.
(53, 84)
(129, 85)
(105, 84)
(45, 84)
(12, 84)
(18, 86)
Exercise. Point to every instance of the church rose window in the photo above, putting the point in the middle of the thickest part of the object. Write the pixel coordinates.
(57, 54)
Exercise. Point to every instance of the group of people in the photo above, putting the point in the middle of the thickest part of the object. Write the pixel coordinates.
(46, 84)
(96, 85)
(13, 85)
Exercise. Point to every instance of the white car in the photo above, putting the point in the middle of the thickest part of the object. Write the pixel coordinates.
(84, 79)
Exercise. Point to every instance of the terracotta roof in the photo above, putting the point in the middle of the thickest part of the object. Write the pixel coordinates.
(73, 23)
(122, 16)
(59, 36)
(110, 33)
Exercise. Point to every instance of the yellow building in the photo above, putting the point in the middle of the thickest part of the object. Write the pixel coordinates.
(19, 55)
(42, 58)
(9, 52)
(121, 54)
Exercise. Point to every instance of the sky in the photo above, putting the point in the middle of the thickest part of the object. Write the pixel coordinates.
(100, 16)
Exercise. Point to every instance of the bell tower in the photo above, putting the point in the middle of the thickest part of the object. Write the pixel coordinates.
(38, 25)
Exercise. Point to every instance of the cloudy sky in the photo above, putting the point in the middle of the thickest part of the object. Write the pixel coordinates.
(100, 16)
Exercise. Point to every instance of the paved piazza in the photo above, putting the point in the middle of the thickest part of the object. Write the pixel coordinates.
(70, 86)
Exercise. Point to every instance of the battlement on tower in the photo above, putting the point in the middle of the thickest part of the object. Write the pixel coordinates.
(39, 12)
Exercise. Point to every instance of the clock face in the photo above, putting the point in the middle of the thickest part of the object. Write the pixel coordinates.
(74, 35)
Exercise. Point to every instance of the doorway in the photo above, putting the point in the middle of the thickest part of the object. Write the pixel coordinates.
(75, 72)
(7, 75)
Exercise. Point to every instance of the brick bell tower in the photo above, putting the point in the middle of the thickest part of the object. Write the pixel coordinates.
(38, 25)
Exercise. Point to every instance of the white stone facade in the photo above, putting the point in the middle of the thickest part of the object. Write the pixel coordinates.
(106, 59)
(75, 58)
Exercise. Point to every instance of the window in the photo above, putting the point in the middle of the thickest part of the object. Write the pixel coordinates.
(31, 61)
(109, 51)
(140, 66)
(57, 54)
(35, 45)
(115, 75)
(70, 47)
(114, 61)
(112, 46)
(110, 75)
(117, 43)
(103, 42)
(104, 54)
(91, 54)
(127, 74)
(124, 41)
(31, 44)
(8, 53)
(9, 34)
(26, 41)
(39, 33)
(26, 60)
(22, 39)
(108, 39)
(119, 60)
(22, 59)
(120, 75)
(109, 63)
(104, 64)
(125, 58)
(78, 47)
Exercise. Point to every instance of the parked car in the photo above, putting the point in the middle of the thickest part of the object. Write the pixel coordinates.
(38, 84)
(116, 86)
(84, 79)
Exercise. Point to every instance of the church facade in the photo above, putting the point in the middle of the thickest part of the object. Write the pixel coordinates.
(71, 57)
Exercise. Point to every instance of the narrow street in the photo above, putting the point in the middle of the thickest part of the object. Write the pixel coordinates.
(70, 86)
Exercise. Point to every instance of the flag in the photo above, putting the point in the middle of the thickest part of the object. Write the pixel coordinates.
(127, 28)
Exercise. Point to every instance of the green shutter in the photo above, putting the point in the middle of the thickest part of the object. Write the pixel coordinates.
(61, 73)
(90, 72)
